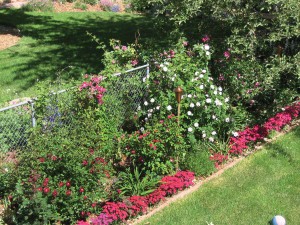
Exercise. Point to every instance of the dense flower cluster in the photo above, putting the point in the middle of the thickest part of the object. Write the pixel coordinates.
(94, 90)
(239, 143)
(120, 211)
(218, 158)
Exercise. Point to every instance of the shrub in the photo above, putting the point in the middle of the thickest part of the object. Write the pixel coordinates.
(198, 160)
(80, 5)
(39, 5)
(106, 4)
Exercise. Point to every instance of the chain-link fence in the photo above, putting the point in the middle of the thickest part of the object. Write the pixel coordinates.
(125, 93)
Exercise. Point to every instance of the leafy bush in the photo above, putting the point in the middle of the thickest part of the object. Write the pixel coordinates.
(80, 5)
(106, 4)
(39, 5)
(158, 148)
(198, 160)
(135, 183)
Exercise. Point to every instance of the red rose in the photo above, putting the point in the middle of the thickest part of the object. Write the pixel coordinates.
(68, 183)
(46, 190)
(54, 193)
(68, 192)
(81, 190)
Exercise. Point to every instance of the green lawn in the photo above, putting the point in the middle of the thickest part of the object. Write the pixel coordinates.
(261, 186)
(57, 43)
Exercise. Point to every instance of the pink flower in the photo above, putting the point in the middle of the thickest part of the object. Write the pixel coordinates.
(134, 62)
(185, 43)
(205, 39)
(117, 47)
(227, 54)
(124, 48)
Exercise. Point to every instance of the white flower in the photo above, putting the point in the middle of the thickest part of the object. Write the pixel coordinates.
(227, 120)
(220, 89)
(214, 117)
(173, 78)
(149, 115)
(190, 129)
(235, 134)
(189, 95)
(212, 87)
(166, 63)
(196, 124)
(283, 109)
(197, 73)
(169, 107)
(152, 100)
(150, 110)
(158, 107)
(215, 92)
(218, 102)
(192, 105)
(211, 139)
(6, 169)
(139, 108)
(189, 113)
(161, 65)
(203, 135)
(213, 133)
(145, 103)
(226, 99)
(144, 79)
(146, 119)
(206, 47)
(142, 129)
(201, 86)
(207, 53)
(203, 71)
(198, 104)
(165, 69)
(201, 75)
(208, 100)
(220, 93)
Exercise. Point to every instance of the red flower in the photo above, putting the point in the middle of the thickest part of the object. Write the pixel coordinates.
(68, 183)
(61, 184)
(46, 190)
(85, 163)
(68, 192)
(94, 204)
(54, 193)
(81, 190)
(42, 159)
(45, 182)
(40, 189)
(85, 197)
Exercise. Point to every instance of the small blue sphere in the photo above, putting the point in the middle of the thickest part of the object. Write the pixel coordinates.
(278, 220)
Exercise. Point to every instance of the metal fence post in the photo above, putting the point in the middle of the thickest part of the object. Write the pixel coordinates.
(32, 113)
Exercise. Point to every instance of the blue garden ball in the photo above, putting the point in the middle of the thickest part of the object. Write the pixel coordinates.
(278, 220)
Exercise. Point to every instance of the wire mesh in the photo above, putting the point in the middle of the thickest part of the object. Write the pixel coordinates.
(15, 123)
(125, 92)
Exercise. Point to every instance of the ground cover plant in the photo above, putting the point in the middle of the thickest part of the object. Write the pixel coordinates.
(256, 189)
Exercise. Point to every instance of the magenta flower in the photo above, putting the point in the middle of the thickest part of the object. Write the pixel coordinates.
(205, 39)
(134, 62)
(227, 54)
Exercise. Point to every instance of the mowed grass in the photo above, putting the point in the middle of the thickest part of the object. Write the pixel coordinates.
(57, 45)
(251, 193)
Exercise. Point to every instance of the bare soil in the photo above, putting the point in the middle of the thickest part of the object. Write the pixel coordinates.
(9, 36)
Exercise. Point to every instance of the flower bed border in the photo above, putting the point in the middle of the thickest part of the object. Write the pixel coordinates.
(120, 211)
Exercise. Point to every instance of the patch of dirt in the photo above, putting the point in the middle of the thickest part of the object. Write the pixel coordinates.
(9, 36)
(69, 7)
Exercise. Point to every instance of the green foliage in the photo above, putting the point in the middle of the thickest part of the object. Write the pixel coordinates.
(198, 161)
(65, 173)
(80, 5)
(39, 5)
(136, 183)
(14, 126)
(158, 148)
